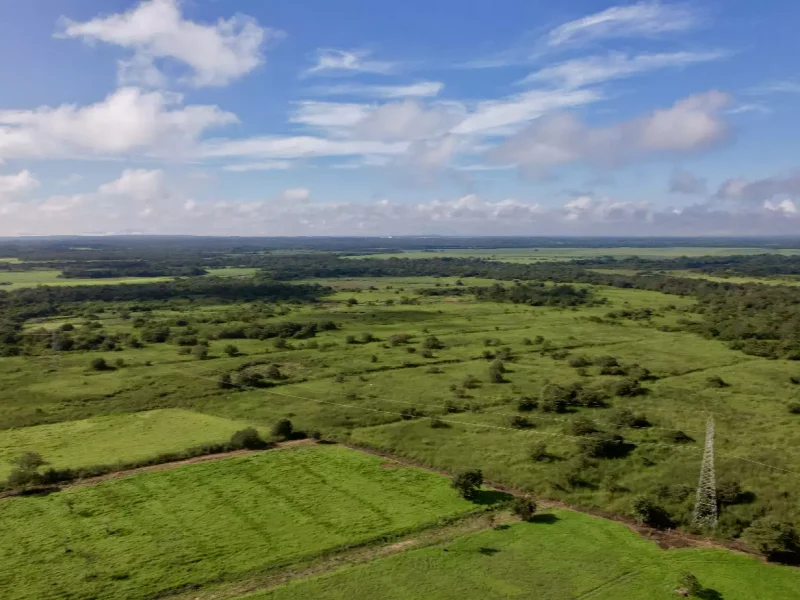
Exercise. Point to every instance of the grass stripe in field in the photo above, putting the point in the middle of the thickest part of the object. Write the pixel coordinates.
(115, 438)
(141, 536)
(563, 555)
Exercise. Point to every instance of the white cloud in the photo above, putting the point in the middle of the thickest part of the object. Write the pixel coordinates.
(496, 117)
(770, 190)
(155, 30)
(597, 69)
(786, 86)
(127, 121)
(267, 165)
(421, 89)
(18, 183)
(122, 207)
(300, 195)
(348, 62)
(633, 20)
(408, 120)
(684, 182)
(691, 124)
(296, 147)
(137, 184)
(334, 118)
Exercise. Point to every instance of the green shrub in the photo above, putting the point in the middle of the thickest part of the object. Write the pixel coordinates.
(99, 364)
(468, 483)
(248, 439)
(524, 507)
(776, 540)
(283, 429)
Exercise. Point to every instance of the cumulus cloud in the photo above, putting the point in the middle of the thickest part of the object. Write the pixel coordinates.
(18, 183)
(633, 20)
(156, 30)
(146, 201)
(348, 62)
(691, 124)
(684, 182)
(579, 72)
(762, 191)
(129, 120)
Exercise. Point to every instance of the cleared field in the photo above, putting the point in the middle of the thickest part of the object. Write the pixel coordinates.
(145, 535)
(526, 255)
(114, 438)
(563, 555)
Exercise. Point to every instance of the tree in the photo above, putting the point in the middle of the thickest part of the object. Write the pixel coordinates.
(539, 453)
(794, 408)
(776, 540)
(200, 352)
(283, 429)
(691, 585)
(273, 372)
(518, 422)
(526, 404)
(524, 507)
(468, 483)
(280, 344)
(99, 364)
(352, 302)
(26, 471)
(231, 350)
(432, 343)
(496, 370)
(646, 512)
(248, 438)
(410, 413)
(603, 445)
(582, 426)
(224, 381)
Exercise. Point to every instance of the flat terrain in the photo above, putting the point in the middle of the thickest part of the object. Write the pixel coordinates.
(142, 536)
(111, 439)
(21, 279)
(559, 254)
(562, 555)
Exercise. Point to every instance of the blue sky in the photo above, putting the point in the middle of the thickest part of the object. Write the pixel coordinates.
(244, 117)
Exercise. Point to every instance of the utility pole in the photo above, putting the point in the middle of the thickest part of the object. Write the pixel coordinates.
(705, 508)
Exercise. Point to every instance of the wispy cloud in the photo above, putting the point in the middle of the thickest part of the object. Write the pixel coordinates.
(635, 20)
(615, 65)
(267, 165)
(420, 89)
(785, 86)
(331, 61)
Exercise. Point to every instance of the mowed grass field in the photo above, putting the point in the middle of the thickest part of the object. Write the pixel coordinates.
(525, 255)
(561, 555)
(110, 439)
(148, 534)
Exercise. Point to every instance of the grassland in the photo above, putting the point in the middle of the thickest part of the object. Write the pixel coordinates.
(142, 536)
(563, 555)
(112, 439)
(526, 255)
(10, 280)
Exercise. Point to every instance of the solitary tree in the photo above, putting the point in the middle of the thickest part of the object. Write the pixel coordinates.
(99, 364)
(468, 483)
(524, 507)
(283, 429)
(231, 350)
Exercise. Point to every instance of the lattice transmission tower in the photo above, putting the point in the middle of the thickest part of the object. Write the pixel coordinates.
(705, 508)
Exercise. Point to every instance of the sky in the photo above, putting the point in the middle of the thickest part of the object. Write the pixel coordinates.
(442, 117)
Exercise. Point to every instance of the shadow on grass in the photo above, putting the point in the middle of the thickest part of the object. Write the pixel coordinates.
(709, 594)
(489, 497)
(488, 551)
(545, 519)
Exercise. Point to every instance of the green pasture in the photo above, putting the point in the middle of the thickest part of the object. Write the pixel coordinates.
(560, 555)
(526, 255)
(110, 439)
(21, 279)
(149, 534)
(356, 392)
